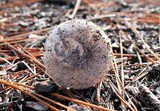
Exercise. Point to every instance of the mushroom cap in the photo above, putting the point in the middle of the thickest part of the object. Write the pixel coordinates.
(77, 55)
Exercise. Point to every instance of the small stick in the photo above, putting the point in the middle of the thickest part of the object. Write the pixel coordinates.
(150, 96)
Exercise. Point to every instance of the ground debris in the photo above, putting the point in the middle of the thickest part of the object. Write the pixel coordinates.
(132, 26)
(147, 94)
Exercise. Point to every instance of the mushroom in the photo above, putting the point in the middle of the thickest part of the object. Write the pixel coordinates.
(77, 54)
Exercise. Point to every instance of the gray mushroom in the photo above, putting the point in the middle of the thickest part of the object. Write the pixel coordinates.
(77, 54)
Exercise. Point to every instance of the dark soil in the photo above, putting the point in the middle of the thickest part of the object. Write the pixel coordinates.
(24, 26)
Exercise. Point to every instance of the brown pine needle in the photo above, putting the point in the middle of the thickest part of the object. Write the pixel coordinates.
(129, 25)
(31, 87)
(31, 56)
(122, 66)
(22, 37)
(30, 77)
(25, 55)
(133, 42)
(24, 85)
(55, 102)
(18, 58)
(120, 96)
(25, 92)
(54, 94)
(81, 102)
(115, 69)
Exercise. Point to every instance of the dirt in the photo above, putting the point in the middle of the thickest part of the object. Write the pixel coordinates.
(24, 27)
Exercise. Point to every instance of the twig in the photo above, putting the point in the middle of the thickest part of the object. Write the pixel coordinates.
(155, 103)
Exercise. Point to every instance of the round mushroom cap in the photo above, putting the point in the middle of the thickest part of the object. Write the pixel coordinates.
(77, 54)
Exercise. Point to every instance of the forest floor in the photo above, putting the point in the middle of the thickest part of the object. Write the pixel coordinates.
(132, 84)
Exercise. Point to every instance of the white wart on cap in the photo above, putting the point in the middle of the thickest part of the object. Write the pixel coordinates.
(76, 54)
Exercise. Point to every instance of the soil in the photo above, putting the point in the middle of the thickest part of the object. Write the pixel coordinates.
(133, 28)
